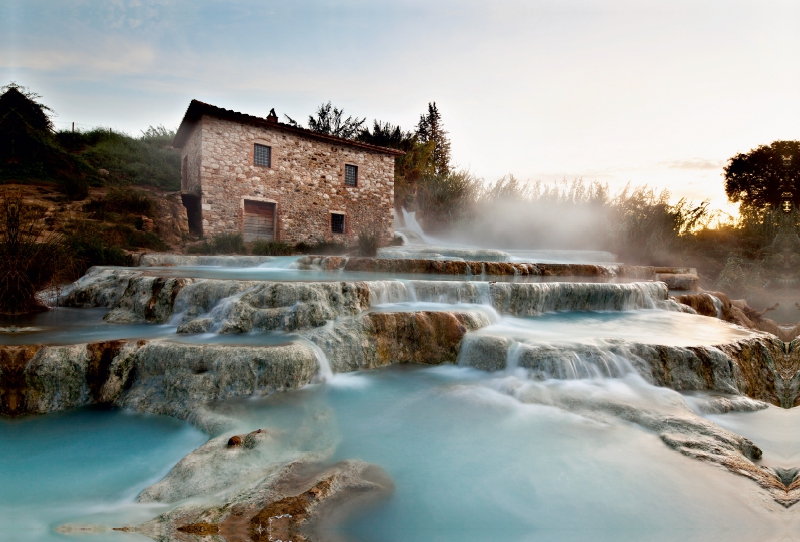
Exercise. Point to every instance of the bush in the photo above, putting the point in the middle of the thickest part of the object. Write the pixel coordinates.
(445, 199)
(91, 249)
(322, 247)
(75, 189)
(122, 200)
(223, 243)
(146, 160)
(368, 243)
(130, 238)
(271, 248)
(30, 259)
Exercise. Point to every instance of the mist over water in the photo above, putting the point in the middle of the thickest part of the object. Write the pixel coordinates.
(472, 462)
(85, 466)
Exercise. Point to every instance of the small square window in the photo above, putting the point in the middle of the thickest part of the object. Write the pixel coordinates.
(337, 223)
(350, 175)
(262, 155)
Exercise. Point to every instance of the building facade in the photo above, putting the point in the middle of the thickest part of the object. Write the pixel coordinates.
(272, 181)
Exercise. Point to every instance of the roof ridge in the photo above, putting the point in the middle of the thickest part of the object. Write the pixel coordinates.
(197, 108)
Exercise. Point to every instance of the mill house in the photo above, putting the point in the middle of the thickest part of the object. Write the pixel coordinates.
(272, 181)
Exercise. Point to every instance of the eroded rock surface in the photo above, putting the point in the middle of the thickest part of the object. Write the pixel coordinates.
(295, 502)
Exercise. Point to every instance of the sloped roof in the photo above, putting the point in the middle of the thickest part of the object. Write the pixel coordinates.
(197, 109)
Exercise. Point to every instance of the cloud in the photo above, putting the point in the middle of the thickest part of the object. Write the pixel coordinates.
(695, 163)
(113, 57)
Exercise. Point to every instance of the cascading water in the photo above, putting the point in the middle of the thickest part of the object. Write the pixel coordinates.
(570, 409)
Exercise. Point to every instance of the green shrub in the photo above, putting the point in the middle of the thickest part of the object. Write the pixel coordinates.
(223, 243)
(91, 249)
(368, 243)
(122, 200)
(147, 160)
(271, 248)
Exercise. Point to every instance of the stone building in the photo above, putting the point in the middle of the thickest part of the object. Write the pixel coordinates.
(269, 180)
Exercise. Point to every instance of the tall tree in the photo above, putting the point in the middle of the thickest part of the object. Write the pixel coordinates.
(408, 168)
(330, 120)
(431, 129)
(759, 177)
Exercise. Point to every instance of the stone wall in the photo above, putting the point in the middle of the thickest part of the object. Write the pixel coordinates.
(190, 162)
(305, 181)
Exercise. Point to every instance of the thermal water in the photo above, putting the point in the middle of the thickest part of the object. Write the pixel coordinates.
(471, 462)
(642, 326)
(84, 468)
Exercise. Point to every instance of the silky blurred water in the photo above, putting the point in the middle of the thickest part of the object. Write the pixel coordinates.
(85, 466)
(471, 463)
(643, 326)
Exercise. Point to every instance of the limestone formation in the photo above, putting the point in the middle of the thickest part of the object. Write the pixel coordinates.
(240, 306)
(297, 501)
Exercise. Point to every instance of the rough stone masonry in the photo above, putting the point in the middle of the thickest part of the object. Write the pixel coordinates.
(302, 186)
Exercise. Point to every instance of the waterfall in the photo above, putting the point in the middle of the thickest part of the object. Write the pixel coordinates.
(413, 225)
(325, 373)
(532, 299)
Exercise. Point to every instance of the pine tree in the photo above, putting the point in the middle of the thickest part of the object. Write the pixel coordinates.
(430, 128)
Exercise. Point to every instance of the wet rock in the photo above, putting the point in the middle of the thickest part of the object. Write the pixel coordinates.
(675, 270)
(98, 288)
(455, 267)
(98, 371)
(216, 468)
(176, 379)
(751, 367)
(377, 339)
(703, 303)
(13, 384)
(722, 404)
(230, 306)
(296, 502)
(234, 441)
(254, 438)
(679, 281)
(637, 272)
(199, 325)
(427, 252)
(147, 299)
(538, 298)
(55, 379)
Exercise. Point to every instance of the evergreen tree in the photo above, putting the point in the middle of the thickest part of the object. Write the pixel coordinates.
(431, 129)
(408, 168)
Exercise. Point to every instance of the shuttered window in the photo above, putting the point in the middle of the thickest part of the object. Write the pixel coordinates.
(350, 175)
(259, 221)
(262, 155)
(337, 223)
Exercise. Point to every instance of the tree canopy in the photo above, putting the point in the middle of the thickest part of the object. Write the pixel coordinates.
(758, 178)
(431, 129)
(330, 120)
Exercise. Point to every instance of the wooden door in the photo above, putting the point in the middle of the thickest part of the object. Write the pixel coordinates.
(259, 220)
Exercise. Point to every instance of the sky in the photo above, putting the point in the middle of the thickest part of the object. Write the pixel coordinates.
(618, 91)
